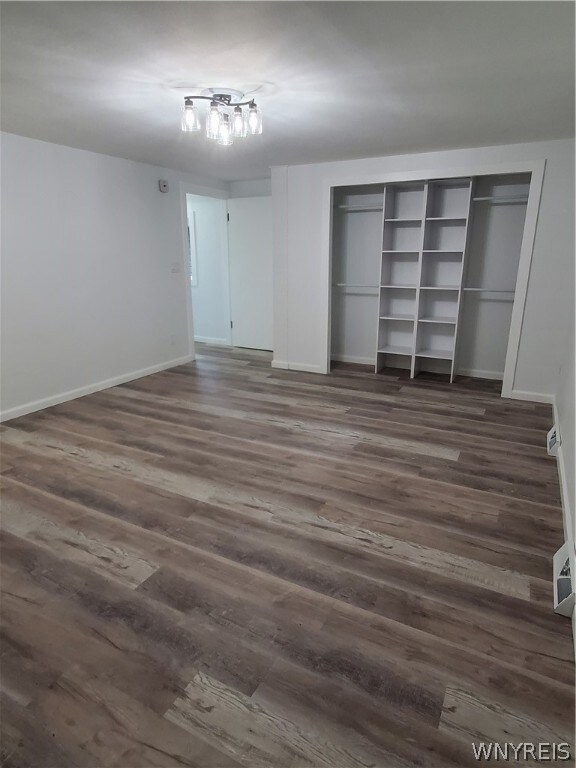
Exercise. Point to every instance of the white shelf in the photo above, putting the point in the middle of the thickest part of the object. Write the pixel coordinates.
(454, 253)
(439, 287)
(439, 354)
(430, 222)
(443, 320)
(501, 200)
(395, 350)
(446, 218)
(445, 233)
(404, 201)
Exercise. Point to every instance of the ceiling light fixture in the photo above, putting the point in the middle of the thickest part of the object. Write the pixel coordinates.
(226, 120)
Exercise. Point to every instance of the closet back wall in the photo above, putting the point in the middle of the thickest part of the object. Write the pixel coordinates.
(357, 236)
(300, 239)
(89, 292)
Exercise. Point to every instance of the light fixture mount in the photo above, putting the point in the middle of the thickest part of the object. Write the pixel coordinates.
(226, 119)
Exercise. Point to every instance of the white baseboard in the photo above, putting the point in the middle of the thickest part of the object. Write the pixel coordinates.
(304, 367)
(477, 373)
(565, 499)
(353, 359)
(72, 394)
(567, 522)
(574, 631)
(563, 476)
(535, 397)
(566, 511)
(210, 340)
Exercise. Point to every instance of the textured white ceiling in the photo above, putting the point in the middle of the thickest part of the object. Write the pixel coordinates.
(339, 79)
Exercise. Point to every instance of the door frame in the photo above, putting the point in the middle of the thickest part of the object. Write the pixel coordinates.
(534, 167)
(195, 189)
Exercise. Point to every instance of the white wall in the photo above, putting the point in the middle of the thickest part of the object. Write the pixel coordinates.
(211, 295)
(299, 222)
(250, 188)
(89, 291)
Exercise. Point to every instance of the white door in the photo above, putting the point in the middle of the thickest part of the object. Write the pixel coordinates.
(250, 259)
(209, 269)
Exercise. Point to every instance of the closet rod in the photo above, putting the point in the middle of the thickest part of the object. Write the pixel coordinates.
(361, 208)
(488, 290)
(500, 199)
(353, 285)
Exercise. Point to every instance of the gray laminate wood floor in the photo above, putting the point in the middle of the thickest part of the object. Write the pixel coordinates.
(229, 565)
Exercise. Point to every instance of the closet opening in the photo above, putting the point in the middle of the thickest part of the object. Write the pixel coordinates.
(356, 245)
(424, 274)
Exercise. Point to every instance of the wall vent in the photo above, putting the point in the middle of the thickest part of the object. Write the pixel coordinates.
(553, 441)
(563, 581)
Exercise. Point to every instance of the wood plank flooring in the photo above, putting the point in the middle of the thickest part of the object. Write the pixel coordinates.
(229, 565)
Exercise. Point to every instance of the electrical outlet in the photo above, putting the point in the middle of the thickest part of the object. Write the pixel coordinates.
(175, 269)
(172, 340)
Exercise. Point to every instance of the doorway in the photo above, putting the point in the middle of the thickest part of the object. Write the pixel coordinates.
(208, 269)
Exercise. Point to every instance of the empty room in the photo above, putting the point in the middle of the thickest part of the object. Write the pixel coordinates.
(287, 470)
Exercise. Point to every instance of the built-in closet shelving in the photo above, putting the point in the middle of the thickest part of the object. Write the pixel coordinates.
(424, 273)
(424, 234)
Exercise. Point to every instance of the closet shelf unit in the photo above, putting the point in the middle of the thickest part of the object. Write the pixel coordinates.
(424, 235)
(359, 208)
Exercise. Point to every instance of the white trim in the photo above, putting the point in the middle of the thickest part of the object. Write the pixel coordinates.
(214, 341)
(566, 516)
(479, 374)
(226, 287)
(304, 367)
(534, 167)
(72, 394)
(186, 270)
(522, 277)
(193, 252)
(574, 631)
(280, 325)
(353, 359)
(534, 397)
(562, 475)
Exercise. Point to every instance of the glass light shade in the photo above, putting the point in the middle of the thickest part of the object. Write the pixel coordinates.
(225, 132)
(254, 120)
(190, 119)
(213, 121)
(238, 123)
